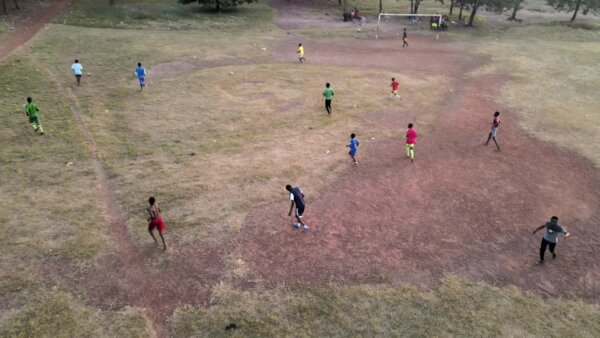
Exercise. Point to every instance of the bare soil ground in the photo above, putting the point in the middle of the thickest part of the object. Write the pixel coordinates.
(462, 208)
(32, 17)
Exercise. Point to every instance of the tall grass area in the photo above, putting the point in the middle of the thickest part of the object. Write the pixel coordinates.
(456, 309)
(554, 81)
(167, 15)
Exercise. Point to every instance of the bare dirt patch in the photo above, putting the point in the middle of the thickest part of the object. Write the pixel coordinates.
(32, 17)
(463, 208)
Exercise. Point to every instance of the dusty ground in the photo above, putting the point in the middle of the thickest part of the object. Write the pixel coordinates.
(32, 17)
(462, 208)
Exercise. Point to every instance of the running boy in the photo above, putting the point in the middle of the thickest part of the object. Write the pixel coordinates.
(553, 229)
(77, 69)
(495, 125)
(32, 110)
(394, 86)
(404, 39)
(300, 53)
(155, 221)
(141, 74)
(328, 93)
(353, 145)
(297, 198)
(411, 139)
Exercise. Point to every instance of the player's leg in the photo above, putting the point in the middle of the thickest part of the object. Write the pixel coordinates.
(299, 215)
(408, 150)
(33, 123)
(412, 153)
(151, 231)
(543, 250)
(163, 239)
(497, 145)
(328, 106)
(489, 138)
(552, 247)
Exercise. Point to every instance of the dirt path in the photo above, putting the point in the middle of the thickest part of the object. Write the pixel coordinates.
(32, 19)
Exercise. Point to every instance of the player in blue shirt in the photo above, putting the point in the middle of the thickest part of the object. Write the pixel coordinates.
(353, 145)
(141, 74)
(297, 198)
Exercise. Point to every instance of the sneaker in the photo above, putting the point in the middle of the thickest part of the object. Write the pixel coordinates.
(296, 225)
(306, 228)
(539, 263)
(553, 255)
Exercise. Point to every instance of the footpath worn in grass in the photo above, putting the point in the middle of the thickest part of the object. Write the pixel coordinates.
(456, 309)
(554, 81)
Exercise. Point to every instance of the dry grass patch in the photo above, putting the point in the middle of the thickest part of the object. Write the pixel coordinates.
(456, 308)
(216, 143)
(56, 314)
(554, 84)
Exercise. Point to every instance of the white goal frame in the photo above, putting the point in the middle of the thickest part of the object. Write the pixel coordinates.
(408, 15)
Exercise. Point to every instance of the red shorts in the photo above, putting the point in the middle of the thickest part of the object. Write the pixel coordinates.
(156, 223)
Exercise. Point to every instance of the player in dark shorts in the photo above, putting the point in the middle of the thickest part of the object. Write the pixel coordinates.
(155, 221)
(328, 93)
(297, 198)
(553, 229)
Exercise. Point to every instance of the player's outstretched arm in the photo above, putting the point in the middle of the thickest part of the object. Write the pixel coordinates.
(291, 208)
(538, 228)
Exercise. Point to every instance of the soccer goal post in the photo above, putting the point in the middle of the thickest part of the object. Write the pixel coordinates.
(386, 17)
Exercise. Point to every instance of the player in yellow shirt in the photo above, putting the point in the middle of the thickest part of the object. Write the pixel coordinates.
(300, 53)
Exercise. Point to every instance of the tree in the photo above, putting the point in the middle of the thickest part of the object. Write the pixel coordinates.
(218, 4)
(497, 6)
(515, 5)
(575, 5)
(5, 10)
(416, 8)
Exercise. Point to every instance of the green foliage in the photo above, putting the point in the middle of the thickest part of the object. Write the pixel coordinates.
(575, 5)
(218, 4)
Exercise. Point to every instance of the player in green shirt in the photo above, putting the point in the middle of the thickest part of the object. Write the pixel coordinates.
(328, 93)
(32, 110)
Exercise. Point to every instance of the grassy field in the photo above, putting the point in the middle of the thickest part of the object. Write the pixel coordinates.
(554, 81)
(456, 309)
(218, 121)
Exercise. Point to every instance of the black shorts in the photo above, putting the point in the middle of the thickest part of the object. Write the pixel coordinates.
(78, 75)
(300, 211)
(327, 103)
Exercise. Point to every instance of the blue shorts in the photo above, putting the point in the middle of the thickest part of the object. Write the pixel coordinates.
(493, 132)
(352, 152)
(141, 81)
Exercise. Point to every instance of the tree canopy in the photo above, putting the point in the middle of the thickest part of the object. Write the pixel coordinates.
(575, 5)
(218, 4)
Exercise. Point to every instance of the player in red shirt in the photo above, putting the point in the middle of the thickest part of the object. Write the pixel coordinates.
(495, 125)
(411, 139)
(394, 86)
